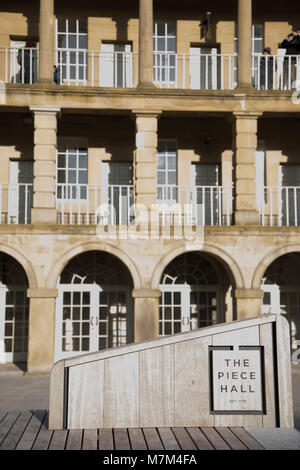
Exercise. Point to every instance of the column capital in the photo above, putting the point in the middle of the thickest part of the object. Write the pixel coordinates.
(146, 293)
(249, 293)
(42, 293)
(45, 109)
(155, 113)
(247, 114)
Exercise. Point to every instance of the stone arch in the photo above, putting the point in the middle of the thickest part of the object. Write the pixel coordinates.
(268, 260)
(227, 261)
(59, 265)
(24, 262)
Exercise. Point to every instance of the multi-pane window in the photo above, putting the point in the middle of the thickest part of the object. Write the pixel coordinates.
(16, 321)
(166, 170)
(71, 45)
(257, 48)
(72, 173)
(164, 47)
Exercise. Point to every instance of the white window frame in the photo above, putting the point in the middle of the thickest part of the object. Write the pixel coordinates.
(166, 154)
(67, 51)
(259, 38)
(66, 153)
(164, 64)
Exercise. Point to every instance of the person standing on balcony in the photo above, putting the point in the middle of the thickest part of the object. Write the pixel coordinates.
(27, 61)
(292, 45)
(266, 69)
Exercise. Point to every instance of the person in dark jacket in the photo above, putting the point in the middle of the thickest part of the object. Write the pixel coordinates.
(56, 75)
(292, 45)
(27, 59)
(266, 70)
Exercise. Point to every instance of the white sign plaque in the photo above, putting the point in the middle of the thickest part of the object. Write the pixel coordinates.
(236, 380)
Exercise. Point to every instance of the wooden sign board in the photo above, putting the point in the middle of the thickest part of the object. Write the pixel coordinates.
(237, 380)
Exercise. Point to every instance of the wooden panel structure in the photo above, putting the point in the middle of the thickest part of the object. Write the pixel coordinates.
(36, 436)
(167, 383)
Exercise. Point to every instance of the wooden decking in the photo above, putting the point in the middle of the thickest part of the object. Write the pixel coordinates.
(28, 431)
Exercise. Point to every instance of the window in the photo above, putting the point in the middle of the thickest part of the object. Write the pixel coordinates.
(167, 171)
(164, 46)
(72, 166)
(257, 48)
(71, 45)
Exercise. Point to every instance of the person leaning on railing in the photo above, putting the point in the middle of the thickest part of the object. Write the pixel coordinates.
(292, 45)
(266, 69)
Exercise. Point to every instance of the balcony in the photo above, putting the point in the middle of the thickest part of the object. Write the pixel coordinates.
(16, 202)
(281, 206)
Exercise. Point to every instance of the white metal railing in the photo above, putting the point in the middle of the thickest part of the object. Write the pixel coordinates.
(194, 71)
(16, 202)
(92, 204)
(281, 206)
(199, 205)
(19, 65)
(94, 68)
(275, 72)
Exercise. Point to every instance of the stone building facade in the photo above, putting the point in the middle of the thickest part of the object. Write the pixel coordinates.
(150, 176)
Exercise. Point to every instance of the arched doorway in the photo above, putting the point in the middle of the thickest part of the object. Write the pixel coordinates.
(14, 311)
(281, 286)
(196, 292)
(94, 306)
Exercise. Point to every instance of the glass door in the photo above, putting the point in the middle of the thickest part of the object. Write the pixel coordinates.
(206, 198)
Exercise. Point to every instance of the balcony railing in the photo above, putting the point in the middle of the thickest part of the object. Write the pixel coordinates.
(275, 72)
(199, 205)
(281, 206)
(16, 201)
(94, 204)
(19, 65)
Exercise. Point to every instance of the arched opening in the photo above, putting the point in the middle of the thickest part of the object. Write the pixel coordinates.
(94, 305)
(281, 286)
(196, 292)
(14, 311)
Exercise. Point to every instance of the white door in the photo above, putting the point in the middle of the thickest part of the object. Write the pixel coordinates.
(20, 197)
(23, 65)
(116, 65)
(184, 308)
(14, 318)
(203, 68)
(90, 318)
(116, 191)
(289, 195)
(206, 198)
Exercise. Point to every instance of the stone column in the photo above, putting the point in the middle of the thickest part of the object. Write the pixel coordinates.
(47, 44)
(41, 330)
(146, 43)
(145, 169)
(248, 303)
(244, 43)
(146, 314)
(45, 138)
(246, 210)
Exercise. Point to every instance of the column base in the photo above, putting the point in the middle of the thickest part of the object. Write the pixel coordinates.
(248, 303)
(247, 218)
(146, 314)
(245, 88)
(149, 85)
(43, 216)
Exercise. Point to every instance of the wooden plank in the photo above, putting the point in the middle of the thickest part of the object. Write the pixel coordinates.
(236, 338)
(231, 439)
(200, 440)
(152, 439)
(215, 439)
(121, 392)
(74, 440)
(121, 439)
(168, 439)
(156, 387)
(137, 439)
(266, 340)
(184, 439)
(106, 439)
(7, 424)
(191, 383)
(27, 440)
(56, 401)
(85, 410)
(90, 439)
(284, 374)
(15, 433)
(172, 339)
(44, 436)
(58, 440)
(248, 440)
